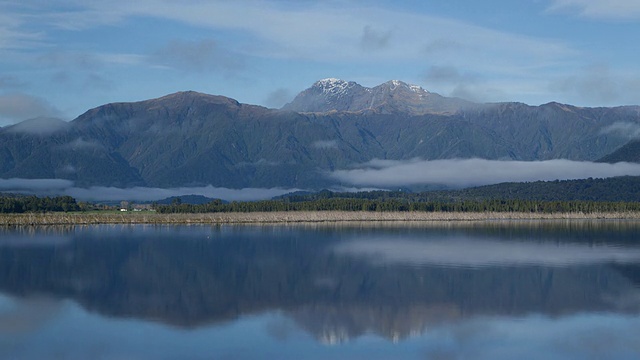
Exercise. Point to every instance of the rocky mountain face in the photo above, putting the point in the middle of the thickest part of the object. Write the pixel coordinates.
(391, 97)
(194, 139)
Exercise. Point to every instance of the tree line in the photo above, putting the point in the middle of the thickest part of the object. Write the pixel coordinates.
(396, 204)
(23, 204)
(328, 201)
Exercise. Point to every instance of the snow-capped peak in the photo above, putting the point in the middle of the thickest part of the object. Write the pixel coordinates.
(417, 89)
(333, 86)
(394, 84)
(331, 82)
(332, 94)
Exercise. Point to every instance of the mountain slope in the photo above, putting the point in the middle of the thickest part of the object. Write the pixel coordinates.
(194, 139)
(630, 152)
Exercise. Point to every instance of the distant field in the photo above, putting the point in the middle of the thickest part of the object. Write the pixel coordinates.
(284, 217)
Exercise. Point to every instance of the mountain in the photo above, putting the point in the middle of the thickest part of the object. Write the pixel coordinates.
(630, 152)
(185, 199)
(195, 139)
(391, 97)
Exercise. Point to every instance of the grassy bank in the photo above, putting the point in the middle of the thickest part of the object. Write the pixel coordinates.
(286, 217)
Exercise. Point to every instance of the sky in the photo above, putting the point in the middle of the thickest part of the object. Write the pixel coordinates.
(59, 58)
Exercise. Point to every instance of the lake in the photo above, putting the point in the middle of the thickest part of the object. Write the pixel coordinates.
(441, 290)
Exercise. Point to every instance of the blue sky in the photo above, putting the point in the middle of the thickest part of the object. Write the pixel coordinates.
(61, 57)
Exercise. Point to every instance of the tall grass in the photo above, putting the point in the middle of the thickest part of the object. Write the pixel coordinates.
(286, 217)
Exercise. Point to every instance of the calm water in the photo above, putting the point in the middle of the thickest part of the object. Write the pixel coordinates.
(527, 290)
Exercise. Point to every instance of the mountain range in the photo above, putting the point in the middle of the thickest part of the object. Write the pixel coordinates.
(194, 139)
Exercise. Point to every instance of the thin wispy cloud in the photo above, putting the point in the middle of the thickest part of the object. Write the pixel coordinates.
(373, 39)
(599, 84)
(325, 144)
(252, 48)
(42, 126)
(474, 172)
(464, 85)
(196, 56)
(10, 82)
(16, 107)
(599, 9)
(81, 144)
(278, 98)
(302, 31)
(624, 129)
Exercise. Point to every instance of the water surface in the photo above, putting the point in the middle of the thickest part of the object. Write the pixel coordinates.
(485, 290)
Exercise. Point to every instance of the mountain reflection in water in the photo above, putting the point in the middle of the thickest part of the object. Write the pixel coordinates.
(336, 283)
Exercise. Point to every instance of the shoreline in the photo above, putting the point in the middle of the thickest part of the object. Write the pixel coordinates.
(293, 217)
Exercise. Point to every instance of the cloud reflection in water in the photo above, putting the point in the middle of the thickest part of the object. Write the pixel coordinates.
(467, 252)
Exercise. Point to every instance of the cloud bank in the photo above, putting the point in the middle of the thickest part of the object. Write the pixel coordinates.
(151, 194)
(475, 172)
(55, 187)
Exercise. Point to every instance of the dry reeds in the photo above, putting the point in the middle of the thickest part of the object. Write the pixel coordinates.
(288, 217)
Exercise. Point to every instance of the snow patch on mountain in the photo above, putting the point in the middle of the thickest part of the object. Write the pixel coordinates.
(332, 94)
(332, 85)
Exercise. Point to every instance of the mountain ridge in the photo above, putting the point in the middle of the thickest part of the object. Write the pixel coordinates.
(194, 139)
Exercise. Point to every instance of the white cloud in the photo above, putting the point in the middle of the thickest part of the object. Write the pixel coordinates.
(12, 32)
(472, 252)
(624, 129)
(473, 172)
(601, 9)
(51, 187)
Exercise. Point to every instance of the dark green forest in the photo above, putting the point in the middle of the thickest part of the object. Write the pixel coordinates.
(403, 204)
(23, 204)
(584, 195)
